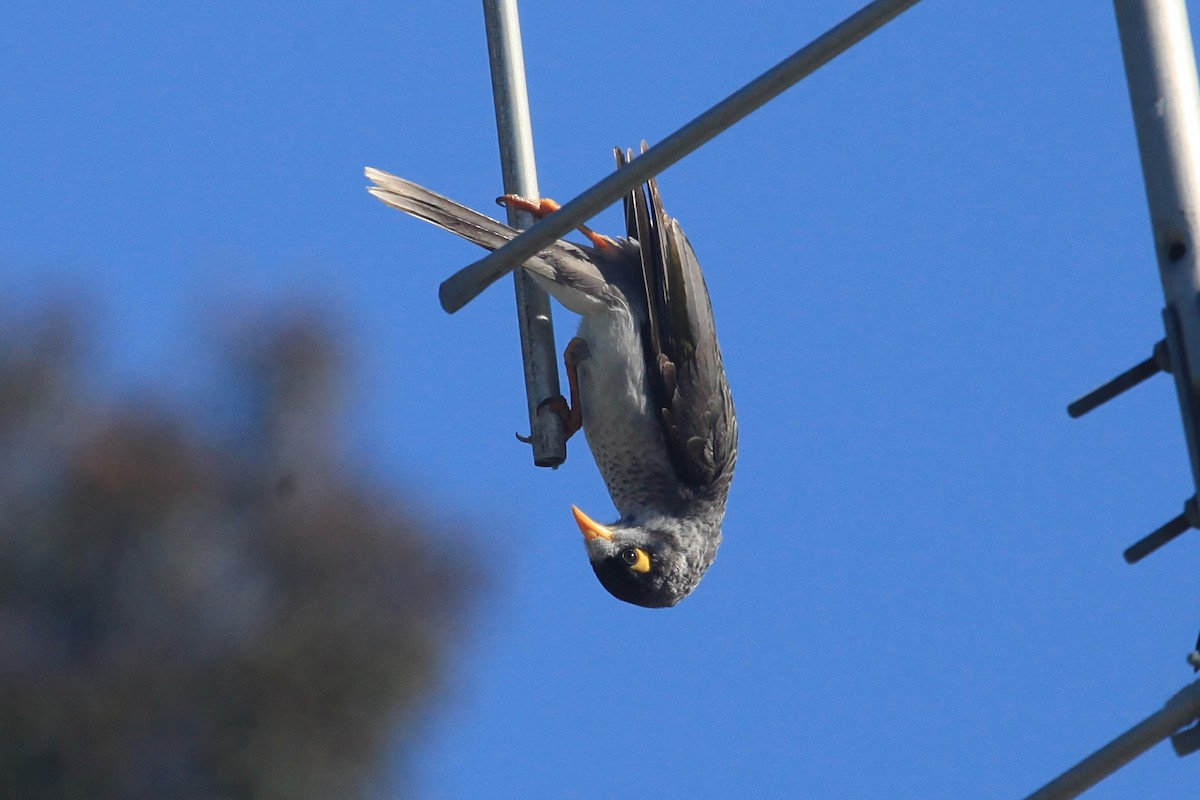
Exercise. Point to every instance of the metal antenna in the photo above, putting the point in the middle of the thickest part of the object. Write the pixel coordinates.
(462, 287)
(1180, 710)
(1160, 67)
(515, 132)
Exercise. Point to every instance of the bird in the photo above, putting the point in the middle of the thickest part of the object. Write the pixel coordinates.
(646, 377)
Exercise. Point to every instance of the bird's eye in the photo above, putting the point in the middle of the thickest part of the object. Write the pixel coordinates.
(636, 559)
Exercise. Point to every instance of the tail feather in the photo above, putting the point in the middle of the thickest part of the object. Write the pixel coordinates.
(565, 269)
(441, 211)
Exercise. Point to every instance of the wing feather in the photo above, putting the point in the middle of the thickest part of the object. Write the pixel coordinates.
(684, 367)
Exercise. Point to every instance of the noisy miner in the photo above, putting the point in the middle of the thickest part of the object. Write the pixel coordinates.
(646, 379)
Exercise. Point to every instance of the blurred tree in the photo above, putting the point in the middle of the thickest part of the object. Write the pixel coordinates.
(186, 615)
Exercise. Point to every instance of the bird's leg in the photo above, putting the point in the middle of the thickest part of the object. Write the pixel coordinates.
(572, 415)
(577, 351)
(544, 208)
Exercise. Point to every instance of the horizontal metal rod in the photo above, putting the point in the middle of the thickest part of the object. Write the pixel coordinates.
(462, 287)
(1153, 541)
(1118, 385)
(1180, 710)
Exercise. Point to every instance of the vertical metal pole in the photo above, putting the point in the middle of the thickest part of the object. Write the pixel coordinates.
(463, 286)
(1160, 67)
(515, 132)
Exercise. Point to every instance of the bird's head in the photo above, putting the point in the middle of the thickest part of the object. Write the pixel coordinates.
(654, 562)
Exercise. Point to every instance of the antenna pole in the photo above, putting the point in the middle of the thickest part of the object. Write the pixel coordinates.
(515, 132)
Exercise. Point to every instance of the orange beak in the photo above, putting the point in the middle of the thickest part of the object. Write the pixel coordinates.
(590, 528)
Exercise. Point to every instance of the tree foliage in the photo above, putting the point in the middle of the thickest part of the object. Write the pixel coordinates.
(188, 612)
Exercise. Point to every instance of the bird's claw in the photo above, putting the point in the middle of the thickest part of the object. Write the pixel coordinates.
(540, 208)
(576, 352)
(571, 417)
(544, 207)
(557, 403)
(572, 421)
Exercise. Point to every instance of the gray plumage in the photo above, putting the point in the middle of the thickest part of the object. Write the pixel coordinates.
(656, 407)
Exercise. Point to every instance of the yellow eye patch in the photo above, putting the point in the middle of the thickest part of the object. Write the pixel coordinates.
(636, 559)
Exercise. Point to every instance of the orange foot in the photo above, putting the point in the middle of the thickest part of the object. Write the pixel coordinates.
(570, 413)
(544, 208)
(572, 416)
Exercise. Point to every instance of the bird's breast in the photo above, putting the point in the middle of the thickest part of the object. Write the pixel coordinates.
(619, 420)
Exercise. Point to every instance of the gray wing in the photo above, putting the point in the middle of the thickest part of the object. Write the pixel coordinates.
(683, 360)
(565, 269)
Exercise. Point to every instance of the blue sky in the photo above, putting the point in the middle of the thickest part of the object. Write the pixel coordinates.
(917, 257)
